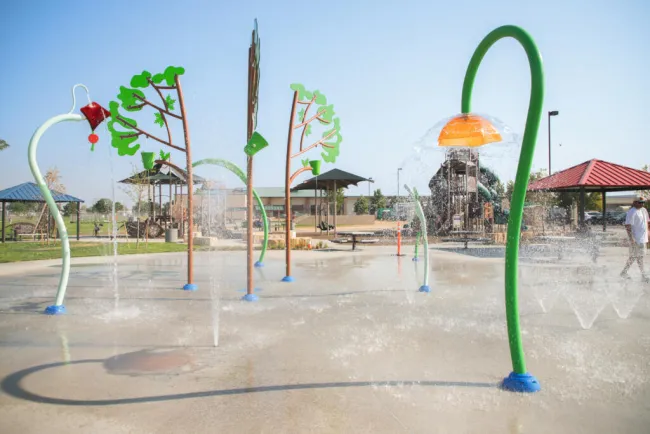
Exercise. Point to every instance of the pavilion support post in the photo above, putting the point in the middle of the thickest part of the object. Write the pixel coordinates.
(604, 194)
(327, 211)
(4, 205)
(336, 205)
(316, 210)
(581, 209)
(78, 214)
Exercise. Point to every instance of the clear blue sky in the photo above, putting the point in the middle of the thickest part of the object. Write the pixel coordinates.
(392, 70)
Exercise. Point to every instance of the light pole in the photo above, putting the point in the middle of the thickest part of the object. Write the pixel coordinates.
(550, 113)
(370, 180)
(398, 171)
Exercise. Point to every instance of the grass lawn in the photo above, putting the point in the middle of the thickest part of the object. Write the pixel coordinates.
(32, 251)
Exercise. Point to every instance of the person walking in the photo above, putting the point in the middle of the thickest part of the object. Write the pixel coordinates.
(636, 224)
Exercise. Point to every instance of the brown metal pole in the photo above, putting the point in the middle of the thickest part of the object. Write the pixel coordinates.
(78, 214)
(327, 212)
(581, 208)
(336, 205)
(169, 210)
(190, 190)
(315, 209)
(287, 190)
(250, 283)
(249, 223)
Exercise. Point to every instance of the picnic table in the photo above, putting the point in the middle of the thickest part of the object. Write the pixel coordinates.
(465, 237)
(278, 225)
(354, 235)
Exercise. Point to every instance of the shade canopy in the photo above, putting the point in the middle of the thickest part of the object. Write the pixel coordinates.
(327, 180)
(30, 192)
(155, 176)
(468, 130)
(594, 175)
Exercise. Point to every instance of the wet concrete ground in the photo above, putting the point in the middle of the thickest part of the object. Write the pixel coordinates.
(350, 346)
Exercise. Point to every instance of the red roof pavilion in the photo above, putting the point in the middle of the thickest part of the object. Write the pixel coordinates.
(594, 175)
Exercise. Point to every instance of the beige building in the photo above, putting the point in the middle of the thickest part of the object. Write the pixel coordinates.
(232, 202)
(302, 202)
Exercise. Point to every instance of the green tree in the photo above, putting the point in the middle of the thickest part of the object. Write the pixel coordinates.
(510, 187)
(3, 145)
(70, 208)
(136, 190)
(340, 198)
(103, 206)
(361, 206)
(378, 200)
(594, 202)
(499, 188)
(23, 207)
(119, 206)
(144, 207)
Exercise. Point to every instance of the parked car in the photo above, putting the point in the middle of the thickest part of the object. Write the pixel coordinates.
(612, 217)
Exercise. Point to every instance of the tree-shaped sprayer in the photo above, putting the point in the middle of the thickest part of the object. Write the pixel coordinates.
(126, 133)
(302, 121)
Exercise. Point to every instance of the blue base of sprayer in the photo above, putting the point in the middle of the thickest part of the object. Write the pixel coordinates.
(55, 310)
(415, 259)
(425, 288)
(190, 287)
(288, 279)
(524, 383)
(254, 290)
(250, 297)
(259, 264)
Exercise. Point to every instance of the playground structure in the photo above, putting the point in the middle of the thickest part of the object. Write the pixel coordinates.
(153, 184)
(459, 191)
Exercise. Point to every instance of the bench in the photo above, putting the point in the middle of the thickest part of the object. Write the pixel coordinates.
(340, 240)
(465, 241)
(21, 230)
(368, 241)
(324, 227)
